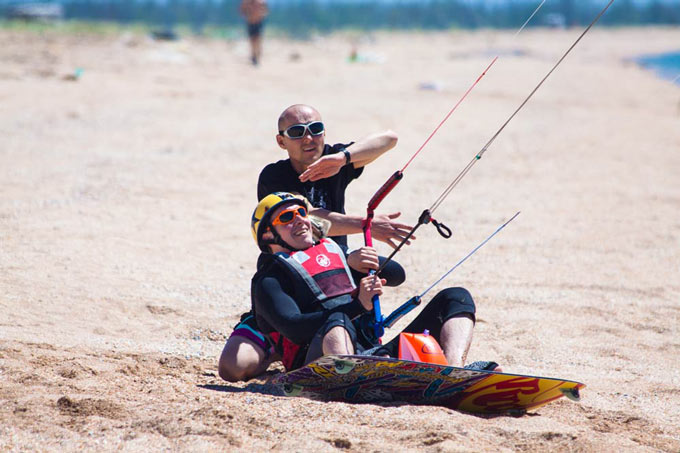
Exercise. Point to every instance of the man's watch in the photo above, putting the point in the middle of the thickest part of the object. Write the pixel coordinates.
(348, 157)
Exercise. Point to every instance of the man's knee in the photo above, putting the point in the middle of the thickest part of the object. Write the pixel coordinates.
(240, 360)
(393, 272)
(228, 370)
(458, 301)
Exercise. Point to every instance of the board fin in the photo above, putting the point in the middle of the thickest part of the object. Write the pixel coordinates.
(572, 393)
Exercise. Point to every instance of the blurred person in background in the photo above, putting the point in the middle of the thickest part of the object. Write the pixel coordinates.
(254, 11)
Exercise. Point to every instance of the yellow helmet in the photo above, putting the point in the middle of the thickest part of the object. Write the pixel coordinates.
(261, 219)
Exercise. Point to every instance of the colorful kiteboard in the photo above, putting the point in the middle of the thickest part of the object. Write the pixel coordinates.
(367, 379)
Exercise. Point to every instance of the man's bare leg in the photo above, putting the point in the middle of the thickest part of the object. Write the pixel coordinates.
(337, 341)
(242, 359)
(456, 338)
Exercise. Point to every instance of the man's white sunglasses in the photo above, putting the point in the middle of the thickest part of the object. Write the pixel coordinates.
(297, 131)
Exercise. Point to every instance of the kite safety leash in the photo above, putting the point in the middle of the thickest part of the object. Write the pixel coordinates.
(415, 300)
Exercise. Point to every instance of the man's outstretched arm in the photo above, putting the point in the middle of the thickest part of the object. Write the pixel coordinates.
(383, 227)
(361, 153)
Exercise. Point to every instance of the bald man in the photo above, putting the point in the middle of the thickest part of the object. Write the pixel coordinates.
(322, 172)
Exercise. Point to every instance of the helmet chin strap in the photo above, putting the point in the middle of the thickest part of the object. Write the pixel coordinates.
(278, 240)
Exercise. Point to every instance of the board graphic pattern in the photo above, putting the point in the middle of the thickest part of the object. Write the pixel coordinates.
(365, 379)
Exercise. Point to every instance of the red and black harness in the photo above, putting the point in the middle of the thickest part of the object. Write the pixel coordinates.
(321, 277)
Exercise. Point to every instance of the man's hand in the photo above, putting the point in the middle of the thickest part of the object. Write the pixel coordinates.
(370, 286)
(325, 167)
(363, 259)
(385, 230)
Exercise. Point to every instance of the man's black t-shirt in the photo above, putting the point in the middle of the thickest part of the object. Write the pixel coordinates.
(327, 193)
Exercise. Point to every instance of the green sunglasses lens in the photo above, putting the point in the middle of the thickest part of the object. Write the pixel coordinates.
(316, 128)
(296, 131)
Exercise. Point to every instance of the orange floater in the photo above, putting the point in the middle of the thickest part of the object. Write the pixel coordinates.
(421, 347)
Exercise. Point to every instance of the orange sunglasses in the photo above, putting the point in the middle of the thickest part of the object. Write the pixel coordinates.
(288, 215)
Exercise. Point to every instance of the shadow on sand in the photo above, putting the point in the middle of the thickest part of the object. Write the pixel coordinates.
(268, 388)
(262, 385)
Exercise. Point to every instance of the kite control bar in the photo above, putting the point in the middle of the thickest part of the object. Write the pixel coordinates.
(373, 203)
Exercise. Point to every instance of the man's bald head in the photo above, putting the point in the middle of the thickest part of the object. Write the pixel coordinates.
(307, 149)
(298, 114)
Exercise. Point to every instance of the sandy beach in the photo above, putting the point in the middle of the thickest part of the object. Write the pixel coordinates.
(128, 171)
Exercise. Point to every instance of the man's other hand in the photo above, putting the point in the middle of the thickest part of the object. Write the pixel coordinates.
(385, 230)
